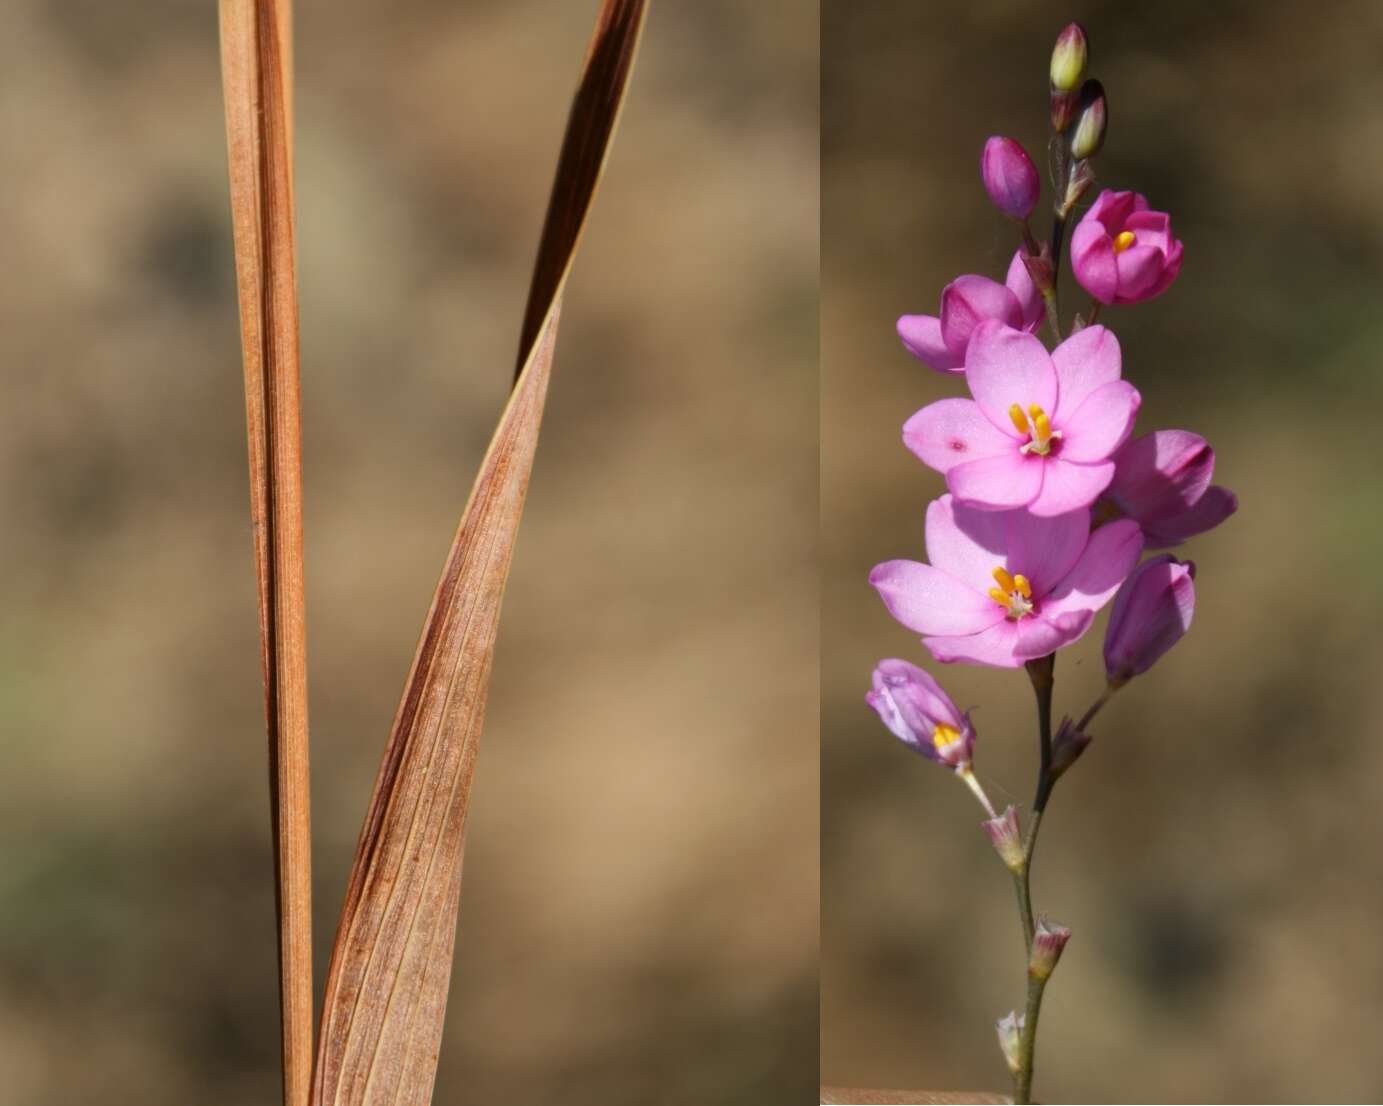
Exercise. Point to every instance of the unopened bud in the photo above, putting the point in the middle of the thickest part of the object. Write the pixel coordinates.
(1048, 940)
(1009, 177)
(1040, 270)
(1082, 177)
(1067, 746)
(1088, 136)
(1152, 611)
(1007, 842)
(1070, 56)
(1063, 109)
(1010, 1030)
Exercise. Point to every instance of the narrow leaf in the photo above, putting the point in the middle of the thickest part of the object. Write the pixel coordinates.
(257, 87)
(391, 965)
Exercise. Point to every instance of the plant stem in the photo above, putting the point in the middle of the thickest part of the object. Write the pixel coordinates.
(1027, 1043)
(1086, 718)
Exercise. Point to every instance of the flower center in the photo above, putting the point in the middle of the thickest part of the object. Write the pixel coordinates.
(944, 736)
(1014, 593)
(1037, 426)
(1123, 240)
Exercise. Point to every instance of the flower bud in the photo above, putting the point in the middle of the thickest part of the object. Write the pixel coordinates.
(1088, 136)
(1048, 940)
(1010, 177)
(919, 713)
(1010, 1030)
(1070, 56)
(1063, 109)
(1007, 842)
(1067, 746)
(1151, 613)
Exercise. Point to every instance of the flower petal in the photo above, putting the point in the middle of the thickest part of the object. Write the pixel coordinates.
(1044, 549)
(1092, 259)
(927, 600)
(970, 300)
(1004, 366)
(946, 433)
(1169, 271)
(1019, 282)
(1109, 557)
(1140, 268)
(1100, 425)
(998, 483)
(1037, 637)
(967, 543)
(1152, 228)
(921, 337)
(994, 647)
(1159, 474)
(1216, 505)
(1087, 360)
(1067, 486)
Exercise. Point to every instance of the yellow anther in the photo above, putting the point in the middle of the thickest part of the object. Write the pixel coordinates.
(999, 596)
(1021, 583)
(1041, 424)
(944, 735)
(1004, 580)
(1124, 240)
(1020, 420)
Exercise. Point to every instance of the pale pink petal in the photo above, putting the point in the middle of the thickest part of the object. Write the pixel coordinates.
(950, 431)
(1109, 557)
(1160, 473)
(1004, 366)
(1044, 549)
(970, 300)
(1092, 260)
(1100, 425)
(998, 483)
(1037, 637)
(1140, 268)
(993, 646)
(1019, 282)
(1067, 486)
(929, 601)
(966, 543)
(1087, 360)
(921, 337)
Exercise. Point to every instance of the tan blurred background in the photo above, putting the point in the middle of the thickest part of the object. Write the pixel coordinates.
(638, 920)
(1217, 852)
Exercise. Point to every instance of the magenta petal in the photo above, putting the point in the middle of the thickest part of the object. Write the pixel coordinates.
(966, 543)
(994, 646)
(1100, 425)
(1019, 282)
(1087, 360)
(998, 483)
(1109, 557)
(1151, 613)
(970, 300)
(1044, 549)
(1161, 473)
(1216, 505)
(1092, 260)
(1037, 637)
(1169, 271)
(927, 600)
(946, 433)
(1004, 366)
(1067, 486)
(921, 337)
(1152, 228)
(1140, 268)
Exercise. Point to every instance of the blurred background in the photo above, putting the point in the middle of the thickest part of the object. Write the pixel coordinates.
(1217, 850)
(638, 919)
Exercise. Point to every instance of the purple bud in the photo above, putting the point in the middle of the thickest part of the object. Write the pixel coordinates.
(1007, 841)
(1010, 1031)
(1151, 612)
(1067, 746)
(1070, 56)
(918, 712)
(1048, 940)
(1009, 177)
(1088, 136)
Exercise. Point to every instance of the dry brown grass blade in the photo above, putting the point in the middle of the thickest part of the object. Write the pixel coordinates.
(391, 965)
(865, 1097)
(258, 93)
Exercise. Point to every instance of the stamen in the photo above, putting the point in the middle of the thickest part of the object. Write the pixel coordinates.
(999, 596)
(1004, 580)
(944, 735)
(1041, 423)
(1021, 583)
(1124, 240)
(1020, 420)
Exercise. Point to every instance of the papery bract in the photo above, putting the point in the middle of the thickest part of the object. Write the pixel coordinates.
(1009, 177)
(1123, 252)
(1041, 428)
(1151, 613)
(1162, 482)
(919, 713)
(940, 342)
(1006, 587)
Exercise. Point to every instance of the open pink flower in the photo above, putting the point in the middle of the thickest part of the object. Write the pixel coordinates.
(919, 713)
(1006, 587)
(1123, 253)
(1162, 482)
(1041, 428)
(941, 342)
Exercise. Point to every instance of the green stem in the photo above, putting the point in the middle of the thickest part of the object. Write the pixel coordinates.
(1027, 1043)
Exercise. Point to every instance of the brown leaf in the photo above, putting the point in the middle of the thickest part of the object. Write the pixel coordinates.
(257, 86)
(391, 965)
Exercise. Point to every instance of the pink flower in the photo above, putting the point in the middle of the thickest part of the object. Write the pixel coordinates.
(1123, 253)
(917, 712)
(1009, 177)
(1151, 613)
(1006, 587)
(940, 343)
(1041, 428)
(1162, 482)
